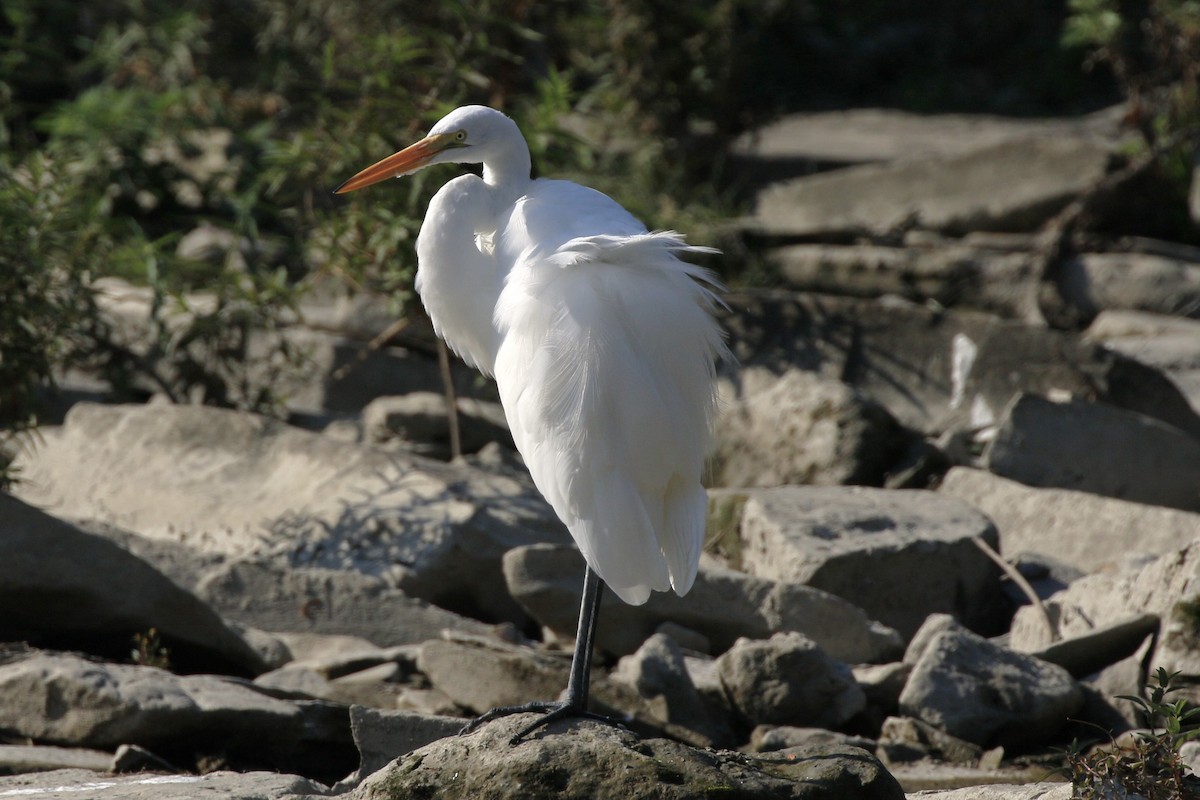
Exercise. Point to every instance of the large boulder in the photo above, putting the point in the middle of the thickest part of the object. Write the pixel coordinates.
(982, 693)
(242, 485)
(1082, 529)
(1013, 185)
(1097, 448)
(898, 555)
(62, 587)
(576, 759)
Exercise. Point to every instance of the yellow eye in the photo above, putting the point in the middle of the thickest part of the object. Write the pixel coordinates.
(461, 136)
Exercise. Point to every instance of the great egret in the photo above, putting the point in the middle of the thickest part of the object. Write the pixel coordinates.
(603, 345)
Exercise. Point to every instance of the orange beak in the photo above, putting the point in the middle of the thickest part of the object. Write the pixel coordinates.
(406, 162)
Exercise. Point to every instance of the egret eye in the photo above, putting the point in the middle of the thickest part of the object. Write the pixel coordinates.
(460, 136)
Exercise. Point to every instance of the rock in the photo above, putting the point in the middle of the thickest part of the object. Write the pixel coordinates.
(1026, 791)
(1168, 343)
(801, 428)
(333, 655)
(84, 785)
(898, 555)
(951, 272)
(584, 759)
(657, 672)
(132, 758)
(383, 736)
(17, 758)
(62, 587)
(1093, 651)
(974, 690)
(723, 605)
(419, 421)
(268, 594)
(788, 680)
(959, 369)
(479, 675)
(1167, 587)
(1084, 530)
(1013, 185)
(907, 739)
(245, 486)
(65, 699)
(1094, 282)
(767, 739)
(1094, 447)
(799, 143)
(933, 626)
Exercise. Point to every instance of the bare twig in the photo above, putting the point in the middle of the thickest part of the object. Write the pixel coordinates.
(1020, 581)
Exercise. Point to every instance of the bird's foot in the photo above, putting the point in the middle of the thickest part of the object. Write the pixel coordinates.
(550, 711)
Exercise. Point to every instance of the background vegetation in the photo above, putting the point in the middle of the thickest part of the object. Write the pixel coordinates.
(193, 144)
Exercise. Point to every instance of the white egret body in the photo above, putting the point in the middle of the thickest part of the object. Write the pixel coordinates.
(602, 343)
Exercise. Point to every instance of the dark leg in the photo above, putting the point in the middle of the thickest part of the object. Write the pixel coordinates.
(575, 704)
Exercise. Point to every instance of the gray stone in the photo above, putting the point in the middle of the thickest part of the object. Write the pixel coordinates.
(801, 428)
(1168, 343)
(766, 739)
(1093, 282)
(16, 758)
(84, 785)
(246, 486)
(65, 699)
(657, 670)
(932, 627)
(1167, 587)
(862, 135)
(577, 759)
(268, 594)
(1009, 186)
(907, 739)
(957, 370)
(60, 586)
(788, 680)
(419, 420)
(1091, 652)
(383, 736)
(134, 758)
(1097, 448)
(898, 555)
(480, 675)
(975, 690)
(999, 791)
(723, 605)
(950, 272)
(1084, 530)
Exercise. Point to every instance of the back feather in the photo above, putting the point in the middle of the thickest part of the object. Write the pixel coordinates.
(606, 371)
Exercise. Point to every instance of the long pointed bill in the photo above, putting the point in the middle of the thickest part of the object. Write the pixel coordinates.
(407, 161)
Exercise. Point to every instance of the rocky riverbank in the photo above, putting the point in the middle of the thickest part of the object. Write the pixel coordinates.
(202, 600)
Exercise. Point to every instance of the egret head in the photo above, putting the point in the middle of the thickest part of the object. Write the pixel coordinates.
(467, 135)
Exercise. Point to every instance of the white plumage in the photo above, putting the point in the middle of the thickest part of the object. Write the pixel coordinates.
(601, 339)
